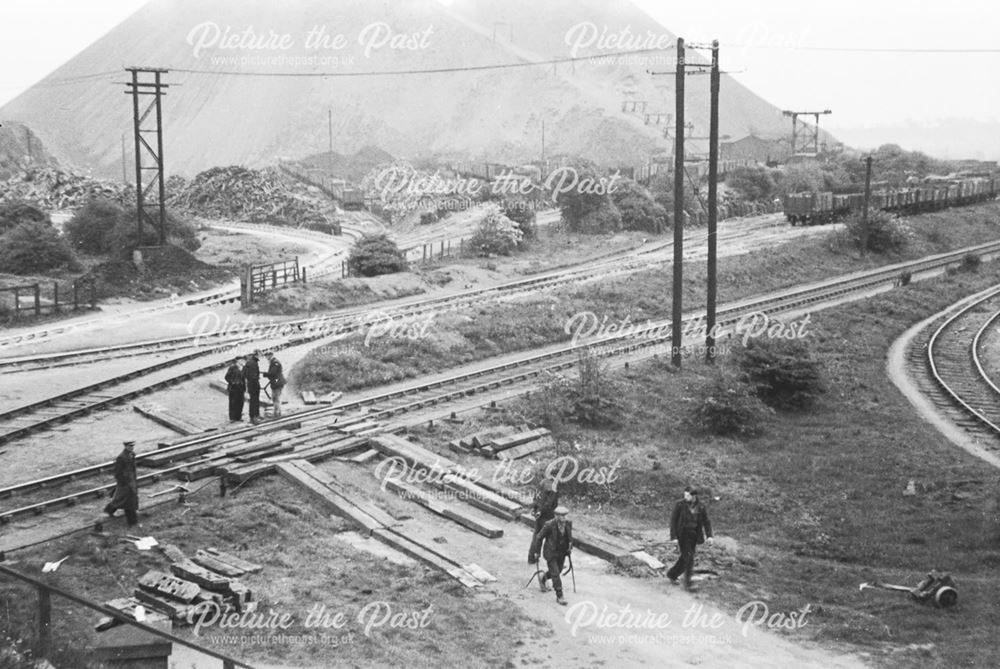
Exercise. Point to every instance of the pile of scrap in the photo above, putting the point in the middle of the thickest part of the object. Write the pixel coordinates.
(375, 522)
(504, 444)
(309, 397)
(239, 193)
(54, 188)
(207, 579)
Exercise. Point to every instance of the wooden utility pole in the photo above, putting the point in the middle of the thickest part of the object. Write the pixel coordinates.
(713, 203)
(676, 315)
(864, 209)
(330, 137)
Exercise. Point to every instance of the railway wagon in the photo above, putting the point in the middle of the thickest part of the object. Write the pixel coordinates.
(824, 207)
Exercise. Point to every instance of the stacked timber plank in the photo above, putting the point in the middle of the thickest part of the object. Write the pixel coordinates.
(207, 579)
(246, 452)
(505, 446)
(323, 488)
(448, 475)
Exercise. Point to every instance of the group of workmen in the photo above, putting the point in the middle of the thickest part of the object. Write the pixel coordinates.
(243, 381)
(553, 537)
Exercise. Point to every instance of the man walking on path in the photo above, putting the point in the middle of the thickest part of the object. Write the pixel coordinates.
(276, 377)
(126, 486)
(690, 526)
(236, 386)
(251, 378)
(555, 542)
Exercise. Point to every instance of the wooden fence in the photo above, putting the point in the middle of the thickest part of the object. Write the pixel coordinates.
(41, 299)
(258, 279)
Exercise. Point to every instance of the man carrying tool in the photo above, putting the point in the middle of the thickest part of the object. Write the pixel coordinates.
(251, 378)
(545, 503)
(690, 526)
(236, 386)
(555, 541)
(276, 379)
(126, 495)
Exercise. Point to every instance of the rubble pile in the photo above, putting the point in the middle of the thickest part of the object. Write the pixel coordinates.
(53, 188)
(239, 193)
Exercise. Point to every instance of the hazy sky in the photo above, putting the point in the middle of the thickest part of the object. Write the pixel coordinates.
(763, 41)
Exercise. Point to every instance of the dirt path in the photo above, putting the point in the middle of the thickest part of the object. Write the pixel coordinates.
(611, 620)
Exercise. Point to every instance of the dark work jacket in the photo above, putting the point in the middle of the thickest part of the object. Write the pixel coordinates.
(251, 373)
(125, 471)
(690, 517)
(275, 374)
(234, 377)
(552, 543)
(545, 504)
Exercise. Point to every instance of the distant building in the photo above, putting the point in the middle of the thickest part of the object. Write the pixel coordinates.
(756, 149)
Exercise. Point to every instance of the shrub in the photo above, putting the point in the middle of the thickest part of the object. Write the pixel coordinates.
(605, 218)
(638, 209)
(970, 262)
(15, 213)
(522, 212)
(35, 247)
(373, 255)
(592, 399)
(90, 229)
(884, 233)
(755, 184)
(103, 227)
(727, 406)
(782, 372)
(497, 235)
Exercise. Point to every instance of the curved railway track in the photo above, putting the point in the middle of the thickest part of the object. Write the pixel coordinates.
(515, 375)
(961, 386)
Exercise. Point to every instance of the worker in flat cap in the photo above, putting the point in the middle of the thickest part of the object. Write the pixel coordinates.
(690, 526)
(126, 492)
(555, 542)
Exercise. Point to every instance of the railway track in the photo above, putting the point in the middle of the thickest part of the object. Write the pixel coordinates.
(516, 375)
(327, 264)
(24, 420)
(959, 385)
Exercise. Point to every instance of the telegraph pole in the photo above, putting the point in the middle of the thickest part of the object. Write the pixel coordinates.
(156, 89)
(713, 208)
(675, 334)
(864, 209)
(329, 133)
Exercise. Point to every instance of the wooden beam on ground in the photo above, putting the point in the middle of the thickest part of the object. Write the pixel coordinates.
(414, 454)
(414, 494)
(211, 563)
(503, 443)
(293, 472)
(481, 497)
(158, 414)
(426, 556)
(229, 558)
(526, 449)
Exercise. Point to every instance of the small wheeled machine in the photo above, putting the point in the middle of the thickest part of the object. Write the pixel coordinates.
(936, 588)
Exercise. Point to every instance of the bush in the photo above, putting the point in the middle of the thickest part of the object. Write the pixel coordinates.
(103, 227)
(727, 406)
(782, 372)
(35, 247)
(497, 235)
(884, 233)
(605, 218)
(522, 212)
(638, 209)
(755, 184)
(91, 228)
(15, 213)
(374, 255)
(592, 399)
(588, 210)
(971, 262)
